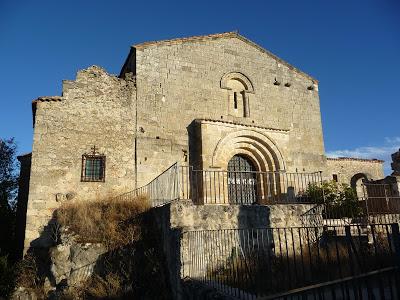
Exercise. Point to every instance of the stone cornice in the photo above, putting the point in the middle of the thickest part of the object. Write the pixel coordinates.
(242, 124)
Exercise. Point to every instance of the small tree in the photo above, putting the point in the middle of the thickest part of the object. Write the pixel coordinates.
(8, 193)
(339, 198)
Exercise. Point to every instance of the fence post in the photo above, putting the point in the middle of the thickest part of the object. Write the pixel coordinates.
(396, 241)
(365, 191)
(352, 250)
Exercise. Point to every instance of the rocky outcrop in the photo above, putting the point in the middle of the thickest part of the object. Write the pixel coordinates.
(73, 262)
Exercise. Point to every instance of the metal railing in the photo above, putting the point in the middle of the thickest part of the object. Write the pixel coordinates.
(253, 263)
(380, 204)
(247, 187)
(161, 190)
(225, 187)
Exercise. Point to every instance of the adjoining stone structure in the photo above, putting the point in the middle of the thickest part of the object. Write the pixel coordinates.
(198, 100)
(353, 171)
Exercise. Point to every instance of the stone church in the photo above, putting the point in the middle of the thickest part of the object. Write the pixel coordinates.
(212, 102)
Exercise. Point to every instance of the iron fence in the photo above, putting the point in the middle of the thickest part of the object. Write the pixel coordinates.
(247, 187)
(381, 199)
(380, 204)
(380, 284)
(223, 187)
(253, 263)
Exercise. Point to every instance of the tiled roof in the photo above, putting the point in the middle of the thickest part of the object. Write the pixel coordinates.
(43, 99)
(356, 159)
(47, 98)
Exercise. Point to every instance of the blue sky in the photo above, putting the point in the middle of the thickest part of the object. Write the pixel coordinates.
(351, 47)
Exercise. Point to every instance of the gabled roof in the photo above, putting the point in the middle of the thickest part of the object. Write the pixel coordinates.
(231, 34)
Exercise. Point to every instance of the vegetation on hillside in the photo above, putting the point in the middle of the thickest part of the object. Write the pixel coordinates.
(111, 222)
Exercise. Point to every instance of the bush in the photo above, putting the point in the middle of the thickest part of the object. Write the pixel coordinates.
(339, 198)
(111, 222)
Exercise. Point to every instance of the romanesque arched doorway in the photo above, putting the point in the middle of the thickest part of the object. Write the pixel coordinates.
(242, 180)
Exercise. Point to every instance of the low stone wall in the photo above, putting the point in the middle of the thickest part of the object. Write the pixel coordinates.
(186, 216)
(178, 217)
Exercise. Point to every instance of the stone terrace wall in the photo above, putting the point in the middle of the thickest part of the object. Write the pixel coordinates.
(95, 109)
(181, 216)
(185, 215)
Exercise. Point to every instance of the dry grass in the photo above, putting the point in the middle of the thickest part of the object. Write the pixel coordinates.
(97, 287)
(112, 222)
(108, 287)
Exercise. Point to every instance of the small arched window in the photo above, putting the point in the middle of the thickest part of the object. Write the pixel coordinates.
(239, 87)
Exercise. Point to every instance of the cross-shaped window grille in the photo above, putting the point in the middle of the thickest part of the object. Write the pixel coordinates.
(93, 167)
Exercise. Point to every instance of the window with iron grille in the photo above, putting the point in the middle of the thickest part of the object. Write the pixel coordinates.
(93, 167)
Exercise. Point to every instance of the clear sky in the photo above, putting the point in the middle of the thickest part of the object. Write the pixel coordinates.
(351, 47)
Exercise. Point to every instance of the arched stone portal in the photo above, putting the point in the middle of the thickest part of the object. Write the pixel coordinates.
(255, 145)
(259, 159)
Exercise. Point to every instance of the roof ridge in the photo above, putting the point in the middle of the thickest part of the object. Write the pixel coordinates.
(222, 35)
(190, 38)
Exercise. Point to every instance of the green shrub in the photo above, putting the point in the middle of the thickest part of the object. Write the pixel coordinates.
(339, 198)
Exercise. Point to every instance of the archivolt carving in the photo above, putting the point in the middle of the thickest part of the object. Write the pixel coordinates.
(256, 145)
(237, 76)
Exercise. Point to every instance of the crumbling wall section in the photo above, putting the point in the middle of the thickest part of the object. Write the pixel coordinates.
(96, 109)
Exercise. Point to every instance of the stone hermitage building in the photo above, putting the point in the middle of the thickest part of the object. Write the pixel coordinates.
(205, 101)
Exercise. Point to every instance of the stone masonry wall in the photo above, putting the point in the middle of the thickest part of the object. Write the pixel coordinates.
(178, 82)
(95, 109)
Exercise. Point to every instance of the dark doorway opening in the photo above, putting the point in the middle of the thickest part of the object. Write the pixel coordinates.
(242, 180)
